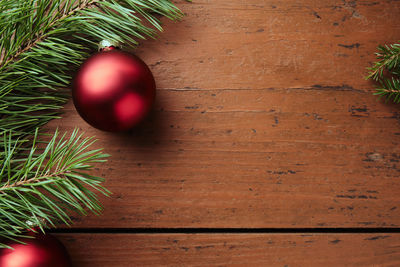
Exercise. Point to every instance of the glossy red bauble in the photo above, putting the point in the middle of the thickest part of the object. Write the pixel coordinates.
(43, 251)
(113, 90)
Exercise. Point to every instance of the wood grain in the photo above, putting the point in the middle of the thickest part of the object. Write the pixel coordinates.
(257, 44)
(263, 119)
(233, 249)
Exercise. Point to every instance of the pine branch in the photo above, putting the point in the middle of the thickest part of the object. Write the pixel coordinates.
(386, 72)
(43, 41)
(42, 34)
(390, 89)
(389, 59)
(40, 185)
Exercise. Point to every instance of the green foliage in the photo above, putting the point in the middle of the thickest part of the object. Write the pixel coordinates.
(386, 71)
(38, 186)
(42, 42)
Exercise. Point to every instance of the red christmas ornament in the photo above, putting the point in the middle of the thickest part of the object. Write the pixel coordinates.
(42, 251)
(113, 90)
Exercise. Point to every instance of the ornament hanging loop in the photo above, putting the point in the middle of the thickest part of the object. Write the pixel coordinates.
(108, 45)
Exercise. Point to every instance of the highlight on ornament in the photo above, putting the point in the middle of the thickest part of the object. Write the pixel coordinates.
(113, 90)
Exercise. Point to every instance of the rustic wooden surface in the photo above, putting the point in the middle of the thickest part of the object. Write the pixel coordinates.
(263, 120)
(234, 249)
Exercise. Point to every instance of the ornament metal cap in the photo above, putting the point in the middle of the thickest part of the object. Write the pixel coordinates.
(36, 224)
(107, 45)
(36, 221)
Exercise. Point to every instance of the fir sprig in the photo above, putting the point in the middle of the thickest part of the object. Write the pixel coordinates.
(386, 72)
(43, 41)
(40, 185)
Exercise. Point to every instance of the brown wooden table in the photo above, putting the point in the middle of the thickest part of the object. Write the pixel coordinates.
(266, 146)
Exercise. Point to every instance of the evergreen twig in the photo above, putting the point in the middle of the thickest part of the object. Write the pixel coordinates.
(39, 186)
(41, 43)
(386, 72)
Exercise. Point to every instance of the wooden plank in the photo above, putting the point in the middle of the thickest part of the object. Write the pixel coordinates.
(264, 43)
(233, 249)
(259, 128)
(320, 165)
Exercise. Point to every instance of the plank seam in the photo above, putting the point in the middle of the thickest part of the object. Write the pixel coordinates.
(225, 230)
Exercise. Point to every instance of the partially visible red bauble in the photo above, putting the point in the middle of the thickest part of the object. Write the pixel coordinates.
(113, 90)
(43, 251)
